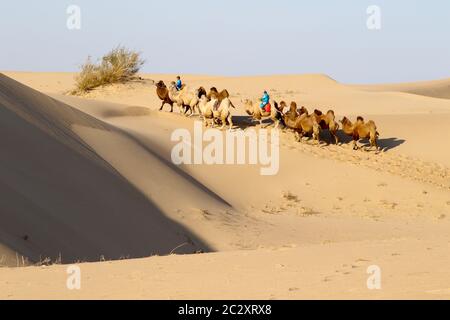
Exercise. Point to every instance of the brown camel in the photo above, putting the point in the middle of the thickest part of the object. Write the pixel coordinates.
(163, 94)
(361, 130)
(328, 122)
(201, 92)
(292, 114)
(302, 123)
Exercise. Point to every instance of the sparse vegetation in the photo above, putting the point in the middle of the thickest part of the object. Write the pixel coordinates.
(118, 66)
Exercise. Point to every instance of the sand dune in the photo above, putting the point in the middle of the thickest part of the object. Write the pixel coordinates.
(311, 231)
(60, 199)
(436, 89)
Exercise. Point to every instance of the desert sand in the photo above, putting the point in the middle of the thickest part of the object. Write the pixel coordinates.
(89, 180)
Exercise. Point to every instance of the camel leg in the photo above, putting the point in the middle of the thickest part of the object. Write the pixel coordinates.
(373, 143)
(230, 120)
(316, 135)
(355, 145)
(277, 124)
(171, 107)
(160, 109)
(316, 138)
(336, 139)
(224, 123)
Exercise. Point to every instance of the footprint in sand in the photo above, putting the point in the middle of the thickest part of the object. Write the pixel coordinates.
(290, 197)
(389, 205)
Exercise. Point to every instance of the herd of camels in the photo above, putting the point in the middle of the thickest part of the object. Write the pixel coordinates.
(215, 109)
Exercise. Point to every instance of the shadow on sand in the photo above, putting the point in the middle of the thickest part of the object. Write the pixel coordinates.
(386, 144)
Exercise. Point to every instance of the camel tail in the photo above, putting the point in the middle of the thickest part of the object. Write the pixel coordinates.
(231, 104)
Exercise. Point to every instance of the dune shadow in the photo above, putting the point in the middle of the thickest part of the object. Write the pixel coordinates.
(61, 201)
(175, 168)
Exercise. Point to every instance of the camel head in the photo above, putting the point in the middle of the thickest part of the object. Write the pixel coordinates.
(360, 119)
(345, 121)
(201, 92)
(247, 102)
(248, 106)
(173, 86)
(303, 110)
(293, 107)
(161, 84)
(318, 112)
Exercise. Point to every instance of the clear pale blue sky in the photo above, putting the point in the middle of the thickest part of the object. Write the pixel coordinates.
(235, 37)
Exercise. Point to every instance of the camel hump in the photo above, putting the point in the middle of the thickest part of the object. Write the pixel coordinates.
(360, 119)
(318, 112)
(330, 112)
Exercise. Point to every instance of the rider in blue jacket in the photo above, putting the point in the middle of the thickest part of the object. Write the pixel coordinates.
(179, 84)
(265, 100)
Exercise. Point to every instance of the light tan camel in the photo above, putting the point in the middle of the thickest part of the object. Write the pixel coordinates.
(253, 109)
(206, 109)
(185, 98)
(223, 113)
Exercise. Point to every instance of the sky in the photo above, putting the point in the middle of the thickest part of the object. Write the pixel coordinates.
(235, 37)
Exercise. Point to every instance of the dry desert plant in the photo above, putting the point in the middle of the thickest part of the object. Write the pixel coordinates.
(118, 66)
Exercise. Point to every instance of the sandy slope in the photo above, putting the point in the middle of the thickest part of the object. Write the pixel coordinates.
(60, 199)
(435, 89)
(310, 231)
(412, 269)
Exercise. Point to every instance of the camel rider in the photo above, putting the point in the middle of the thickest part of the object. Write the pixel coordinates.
(265, 101)
(179, 84)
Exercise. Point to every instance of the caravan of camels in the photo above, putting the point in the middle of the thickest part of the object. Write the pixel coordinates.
(215, 109)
